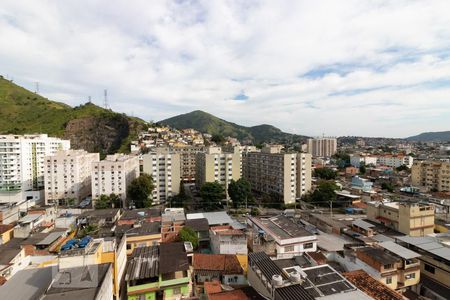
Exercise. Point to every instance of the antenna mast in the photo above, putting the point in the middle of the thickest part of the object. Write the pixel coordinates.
(105, 103)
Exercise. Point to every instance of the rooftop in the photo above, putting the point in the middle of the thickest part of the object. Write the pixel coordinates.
(214, 218)
(224, 263)
(379, 255)
(399, 250)
(143, 263)
(173, 258)
(4, 228)
(281, 227)
(371, 286)
(363, 224)
(198, 224)
(136, 214)
(146, 228)
(428, 244)
(226, 230)
(10, 250)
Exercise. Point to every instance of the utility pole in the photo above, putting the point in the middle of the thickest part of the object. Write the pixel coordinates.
(36, 91)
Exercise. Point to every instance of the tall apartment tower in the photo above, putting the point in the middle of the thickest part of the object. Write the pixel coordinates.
(188, 156)
(68, 175)
(273, 172)
(164, 167)
(431, 174)
(22, 160)
(322, 147)
(113, 175)
(216, 165)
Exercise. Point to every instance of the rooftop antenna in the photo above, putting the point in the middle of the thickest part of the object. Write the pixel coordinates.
(105, 103)
(36, 91)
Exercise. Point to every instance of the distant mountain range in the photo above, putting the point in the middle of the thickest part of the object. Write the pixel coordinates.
(207, 123)
(441, 136)
(88, 126)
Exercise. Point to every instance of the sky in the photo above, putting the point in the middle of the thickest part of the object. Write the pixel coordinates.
(352, 67)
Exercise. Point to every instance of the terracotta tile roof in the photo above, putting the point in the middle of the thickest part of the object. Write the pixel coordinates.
(212, 287)
(224, 263)
(371, 286)
(4, 228)
(2, 280)
(229, 295)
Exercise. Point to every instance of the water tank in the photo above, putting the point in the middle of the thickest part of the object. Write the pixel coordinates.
(277, 280)
(295, 276)
(258, 272)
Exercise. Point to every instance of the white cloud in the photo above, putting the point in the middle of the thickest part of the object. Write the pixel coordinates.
(376, 68)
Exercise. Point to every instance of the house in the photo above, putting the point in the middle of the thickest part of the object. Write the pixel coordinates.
(26, 224)
(363, 227)
(279, 237)
(215, 218)
(103, 219)
(158, 272)
(12, 258)
(201, 227)
(371, 286)
(215, 291)
(140, 235)
(172, 221)
(6, 233)
(222, 267)
(226, 240)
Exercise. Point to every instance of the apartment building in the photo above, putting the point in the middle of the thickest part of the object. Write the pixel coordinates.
(164, 167)
(414, 219)
(67, 174)
(22, 161)
(271, 171)
(432, 175)
(216, 165)
(113, 175)
(187, 161)
(322, 147)
(388, 160)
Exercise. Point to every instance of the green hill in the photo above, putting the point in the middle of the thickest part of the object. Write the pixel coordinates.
(88, 126)
(207, 123)
(440, 136)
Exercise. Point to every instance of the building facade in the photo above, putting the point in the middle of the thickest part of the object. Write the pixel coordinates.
(216, 165)
(164, 167)
(271, 171)
(22, 161)
(67, 174)
(322, 147)
(432, 175)
(113, 175)
(413, 219)
(388, 160)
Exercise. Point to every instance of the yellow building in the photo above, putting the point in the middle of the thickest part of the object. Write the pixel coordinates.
(413, 219)
(215, 165)
(6, 233)
(431, 174)
(142, 235)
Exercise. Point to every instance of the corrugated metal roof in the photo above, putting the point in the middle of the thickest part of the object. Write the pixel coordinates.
(214, 218)
(30, 218)
(399, 250)
(49, 239)
(428, 244)
(362, 224)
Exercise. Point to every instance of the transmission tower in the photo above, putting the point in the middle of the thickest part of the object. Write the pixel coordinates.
(105, 103)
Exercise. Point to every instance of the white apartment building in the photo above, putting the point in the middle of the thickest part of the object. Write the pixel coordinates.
(271, 171)
(388, 160)
(322, 147)
(164, 167)
(113, 175)
(215, 165)
(68, 175)
(22, 160)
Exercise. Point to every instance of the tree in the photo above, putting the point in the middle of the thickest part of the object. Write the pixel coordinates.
(180, 199)
(140, 190)
(362, 169)
(387, 186)
(115, 201)
(103, 202)
(402, 168)
(218, 138)
(324, 193)
(188, 234)
(212, 193)
(325, 173)
(239, 191)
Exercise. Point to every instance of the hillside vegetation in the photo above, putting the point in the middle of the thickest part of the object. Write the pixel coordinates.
(88, 126)
(207, 123)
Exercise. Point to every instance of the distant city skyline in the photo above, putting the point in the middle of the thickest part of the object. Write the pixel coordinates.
(353, 68)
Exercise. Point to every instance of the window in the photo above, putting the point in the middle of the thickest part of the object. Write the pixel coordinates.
(308, 246)
(388, 266)
(410, 276)
(289, 249)
(429, 268)
(388, 280)
(177, 291)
